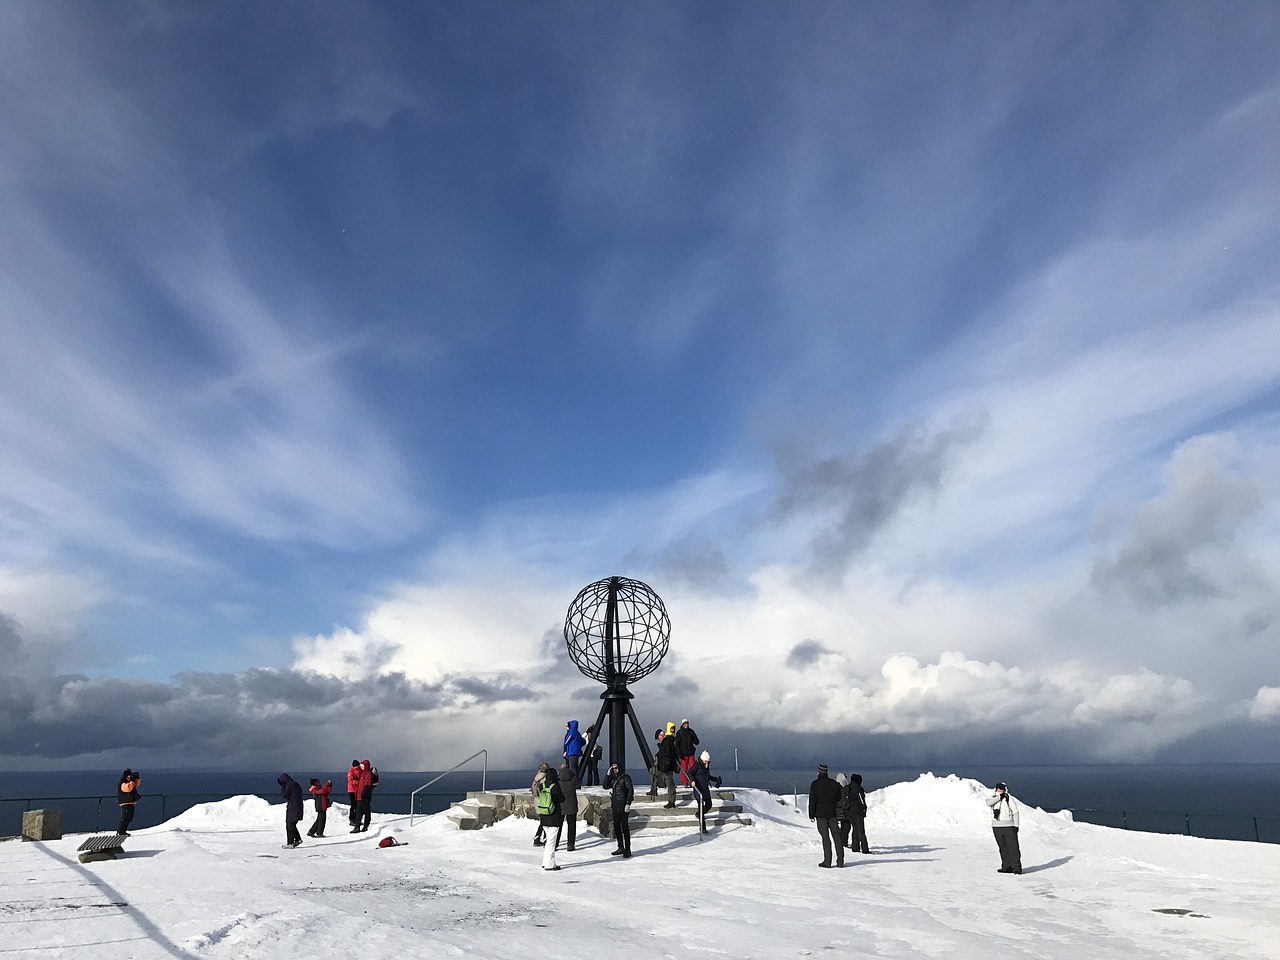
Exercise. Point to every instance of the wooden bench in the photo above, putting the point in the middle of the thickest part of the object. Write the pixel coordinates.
(105, 847)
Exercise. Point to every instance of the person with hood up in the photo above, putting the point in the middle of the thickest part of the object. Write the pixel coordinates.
(322, 805)
(686, 748)
(291, 793)
(551, 814)
(621, 794)
(540, 837)
(127, 797)
(1004, 824)
(573, 744)
(569, 788)
(364, 796)
(857, 812)
(824, 794)
(353, 793)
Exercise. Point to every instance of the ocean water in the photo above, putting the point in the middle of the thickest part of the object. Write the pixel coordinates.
(1229, 801)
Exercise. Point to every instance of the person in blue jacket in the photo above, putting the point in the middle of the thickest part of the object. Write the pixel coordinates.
(573, 744)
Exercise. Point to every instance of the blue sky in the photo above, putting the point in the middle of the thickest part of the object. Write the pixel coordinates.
(925, 357)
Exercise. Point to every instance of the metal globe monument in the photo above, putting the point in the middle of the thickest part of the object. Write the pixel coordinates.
(617, 631)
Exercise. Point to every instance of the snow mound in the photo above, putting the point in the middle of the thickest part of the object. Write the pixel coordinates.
(247, 811)
(942, 805)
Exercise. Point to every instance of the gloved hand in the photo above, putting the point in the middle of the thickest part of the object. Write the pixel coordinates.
(627, 808)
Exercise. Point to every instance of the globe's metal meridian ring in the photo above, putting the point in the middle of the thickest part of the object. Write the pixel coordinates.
(617, 630)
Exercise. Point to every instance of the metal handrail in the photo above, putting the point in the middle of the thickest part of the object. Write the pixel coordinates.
(795, 791)
(484, 774)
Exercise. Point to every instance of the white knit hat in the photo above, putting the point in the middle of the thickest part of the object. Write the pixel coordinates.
(706, 757)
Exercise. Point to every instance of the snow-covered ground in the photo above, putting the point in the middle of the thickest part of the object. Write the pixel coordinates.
(215, 882)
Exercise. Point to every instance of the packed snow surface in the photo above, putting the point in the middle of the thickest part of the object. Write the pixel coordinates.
(215, 882)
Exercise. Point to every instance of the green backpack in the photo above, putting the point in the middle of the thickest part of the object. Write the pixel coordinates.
(546, 802)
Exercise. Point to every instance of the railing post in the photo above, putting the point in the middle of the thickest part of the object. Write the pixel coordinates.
(163, 798)
(1124, 818)
(97, 818)
(1256, 836)
(737, 774)
(1188, 816)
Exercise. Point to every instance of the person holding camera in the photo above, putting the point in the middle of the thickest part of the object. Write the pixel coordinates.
(1004, 824)
(127, 797)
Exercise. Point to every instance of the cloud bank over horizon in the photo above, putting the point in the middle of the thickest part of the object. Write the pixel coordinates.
(931, 377)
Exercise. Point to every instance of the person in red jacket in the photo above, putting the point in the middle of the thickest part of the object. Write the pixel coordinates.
(364, 795)
(322, 805)
(353, 792)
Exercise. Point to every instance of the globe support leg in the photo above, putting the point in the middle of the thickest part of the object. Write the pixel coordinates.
(617, 704)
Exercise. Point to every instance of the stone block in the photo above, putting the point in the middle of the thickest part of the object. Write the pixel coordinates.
(42, 825)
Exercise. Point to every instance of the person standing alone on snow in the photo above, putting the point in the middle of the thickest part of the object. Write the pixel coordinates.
(824, 794)
(291, 793)
(1004, 824)
(621, 793)
(127, 797)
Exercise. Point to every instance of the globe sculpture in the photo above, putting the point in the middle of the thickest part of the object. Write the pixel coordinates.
(617, 631)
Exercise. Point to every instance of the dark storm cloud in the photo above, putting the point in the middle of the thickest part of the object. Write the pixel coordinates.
(806, 653)
(863, 490)
(208, 716)
(692, 562)
(1180, 544)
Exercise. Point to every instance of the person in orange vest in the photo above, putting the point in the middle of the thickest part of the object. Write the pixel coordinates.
(127, 796)
(322, 806)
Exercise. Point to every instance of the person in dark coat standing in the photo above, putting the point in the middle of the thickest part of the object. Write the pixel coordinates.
(551, 814)
(291, 793)
(667, 763)
(686, 744)
(857, 813)
(621, 794)
(569, 788)
(595, 752)
(353, 793)
(1004, 824)
(322, 805)
(824, 796)
(700, 774)
(127, 797)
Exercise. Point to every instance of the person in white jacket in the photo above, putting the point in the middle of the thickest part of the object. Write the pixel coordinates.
(1004, 824)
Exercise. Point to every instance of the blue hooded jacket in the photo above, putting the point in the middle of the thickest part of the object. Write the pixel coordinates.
(573, 740)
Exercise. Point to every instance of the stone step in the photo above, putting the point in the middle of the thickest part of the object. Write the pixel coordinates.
(463, 820)
(690, 823)
(654, 809)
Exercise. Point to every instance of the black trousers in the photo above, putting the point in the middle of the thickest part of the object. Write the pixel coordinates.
(570, 830)
(291, 834)
(1010, 851)
(593, 773)
(366, 809)
(126, 817)
(317, 828)
(353, 813)
(622, 830)
(829, 828)
(859, 839)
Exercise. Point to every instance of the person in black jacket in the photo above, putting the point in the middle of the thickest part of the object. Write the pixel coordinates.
(127, 797)
(686, 744)
(824, 797)
(700, 774)
(857, 814)
(667, 763)
(291, 793)
(621, 794)
(594, 753)
(569, 787)
(551, 814)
